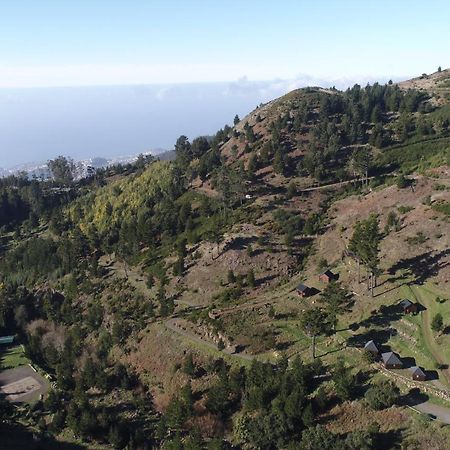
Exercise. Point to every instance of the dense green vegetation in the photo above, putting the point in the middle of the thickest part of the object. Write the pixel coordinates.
(75, 319)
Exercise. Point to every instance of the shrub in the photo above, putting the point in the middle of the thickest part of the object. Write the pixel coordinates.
(369, 357)
(437, 324)
(382, 395)
(442, 207)
(402, 181)
(231, 277)
(251, 278)
(291, 190)
(418, 239)
(404, 209)
(322, 264)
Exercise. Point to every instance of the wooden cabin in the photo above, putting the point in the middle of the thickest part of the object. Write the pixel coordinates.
(303, 290)
(327, 277)
(391, 361)
(417, 373)
(408, 306)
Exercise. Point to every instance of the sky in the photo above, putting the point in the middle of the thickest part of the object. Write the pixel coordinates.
(239, 51)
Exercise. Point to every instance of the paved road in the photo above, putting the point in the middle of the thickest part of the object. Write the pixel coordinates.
(442, 413)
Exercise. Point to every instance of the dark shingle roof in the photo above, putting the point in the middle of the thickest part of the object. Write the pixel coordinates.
(371, 346)
(328, 273)
(415, 370)
(390, 358)
(405, 303)
(302, 287)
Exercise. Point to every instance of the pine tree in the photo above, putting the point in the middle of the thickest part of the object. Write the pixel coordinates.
(231, 277)
(364, 244)
(437, 324)
(251, 278)
(315, 322)
(278, 162)
(291, 190)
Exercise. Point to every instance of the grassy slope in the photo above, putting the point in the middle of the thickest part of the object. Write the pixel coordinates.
(12, 357)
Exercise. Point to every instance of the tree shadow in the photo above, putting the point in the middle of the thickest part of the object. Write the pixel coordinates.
(423, 266)
(408, 362)
(330, 352)
(414, 397)
(239, 243)
(380, 337)
(388, 439)
(384, 316)
(266, 279)
(280, 346)
(431, 375)
(393, 288)
(312, 291)
(16, 436)
(285, 315)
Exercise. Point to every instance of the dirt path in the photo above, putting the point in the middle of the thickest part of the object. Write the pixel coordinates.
(171, 324)
(332, 185)
(428, 335)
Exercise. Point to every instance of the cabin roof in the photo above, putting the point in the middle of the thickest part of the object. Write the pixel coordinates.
(390, 358)
(328, 273)
(370, 345)
(302, 287)
(406, 303)
(415, 370)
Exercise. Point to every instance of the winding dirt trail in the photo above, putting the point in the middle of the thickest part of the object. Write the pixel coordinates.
(332, 185)
(172, 325)
(428, 336)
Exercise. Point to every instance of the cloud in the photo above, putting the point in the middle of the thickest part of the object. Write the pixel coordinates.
(267, 90)
(124, 74)
(165, 74)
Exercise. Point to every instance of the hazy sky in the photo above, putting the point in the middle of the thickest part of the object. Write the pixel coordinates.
(49, 43)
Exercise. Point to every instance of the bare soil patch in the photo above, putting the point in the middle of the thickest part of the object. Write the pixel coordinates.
(22, 384)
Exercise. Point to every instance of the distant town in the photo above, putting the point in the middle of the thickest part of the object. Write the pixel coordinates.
(84, 168)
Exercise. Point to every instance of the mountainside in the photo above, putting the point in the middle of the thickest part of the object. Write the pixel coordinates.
(224, 299)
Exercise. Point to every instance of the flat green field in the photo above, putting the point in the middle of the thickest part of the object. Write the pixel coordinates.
(12, 357)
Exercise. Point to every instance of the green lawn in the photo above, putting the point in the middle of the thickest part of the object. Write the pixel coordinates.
(12, 357)
(415, 337)
(438, 343)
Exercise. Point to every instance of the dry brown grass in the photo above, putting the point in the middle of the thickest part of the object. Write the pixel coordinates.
(353, 416)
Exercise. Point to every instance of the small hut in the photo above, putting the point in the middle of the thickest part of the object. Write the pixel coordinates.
(391, 361)
(417, 373)
(408, 306)
(327, 277)
(371, 347)
(303, 290)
